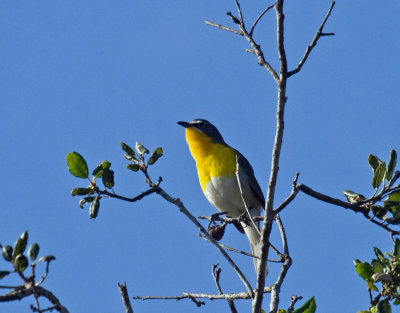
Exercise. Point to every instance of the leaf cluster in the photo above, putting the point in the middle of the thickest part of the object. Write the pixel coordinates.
(383, 270)
(78, 167)
(385, 204)
(19, 261)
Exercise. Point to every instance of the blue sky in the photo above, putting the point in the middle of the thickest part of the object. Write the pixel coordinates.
(83, 76)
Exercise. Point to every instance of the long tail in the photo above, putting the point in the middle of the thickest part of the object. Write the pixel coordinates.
(253, 235)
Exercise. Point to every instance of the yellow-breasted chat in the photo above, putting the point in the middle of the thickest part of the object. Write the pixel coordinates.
(217, 164)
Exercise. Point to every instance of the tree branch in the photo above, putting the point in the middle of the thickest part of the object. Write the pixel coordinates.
(276, 288)
(216, 272)
(293, 302)
(22, 292)
(177, 202)
(125, 298)
(224, 28)
(186, 295)
(259, 18)
(359, 207)
(318, 35)
(290, 198)
(269, 212)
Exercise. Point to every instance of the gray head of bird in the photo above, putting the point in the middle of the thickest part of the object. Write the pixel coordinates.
(206, 128)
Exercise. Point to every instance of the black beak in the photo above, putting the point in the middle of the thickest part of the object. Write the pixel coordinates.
(184, 124)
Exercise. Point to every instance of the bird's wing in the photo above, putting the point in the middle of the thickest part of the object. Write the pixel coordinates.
(247, 178)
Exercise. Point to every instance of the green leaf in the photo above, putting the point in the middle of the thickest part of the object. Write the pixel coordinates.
(155, 155)
(371, 286)
(133, 167)
(379, 175)
(363, 311)
(7, 252)
(106, 164)
(98, 171)
(391, 164)
(77, 165)
(383, 306)
(378, 253)
(141, 149)
(21, 263)
(394, 197)
(20, 245)
(130, 158)
(379, 211)
(94, 207)
(33, 251)
(364, 270)
(129, 151)
(377, 267)
(46, 258)
(79, 191)
(4, 273)
(308, 307)
(353, 197)
(279, 311)
(108, 178)
(85, 200)
(373, 162)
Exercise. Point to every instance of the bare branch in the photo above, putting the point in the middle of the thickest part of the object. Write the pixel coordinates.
(22, 292)
(269, 211)
(276, 288)
(186, 295)
(177, 202)
(359, 207)
(293, 302)
(216, 272)
(290, 198)
(239, 180)
(240, 13)
(318, 35)
(224, 28)
(134, 199)
(243, 252)
(259, 18)
(125, 298)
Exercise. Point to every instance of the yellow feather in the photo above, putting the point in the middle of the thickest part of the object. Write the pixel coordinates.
(212, 159)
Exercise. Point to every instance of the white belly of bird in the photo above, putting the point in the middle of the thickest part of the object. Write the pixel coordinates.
(224, 194)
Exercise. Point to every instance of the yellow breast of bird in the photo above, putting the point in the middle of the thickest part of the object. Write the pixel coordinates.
(216, 167)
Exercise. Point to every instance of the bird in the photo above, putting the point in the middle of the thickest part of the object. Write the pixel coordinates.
(217, 164)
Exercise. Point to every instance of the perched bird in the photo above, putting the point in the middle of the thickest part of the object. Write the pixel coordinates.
(217, 164)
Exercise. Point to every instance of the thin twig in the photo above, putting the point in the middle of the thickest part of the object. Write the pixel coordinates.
(22, 292)
(125, 298)
(243, 252)
(133, 199)
(238, 32)
(36, 309)
(177, 202)
(318, 35)
(186, 295)
(239, 180)
(276, 288)
(290, 198)
(259, 18)
(216, 272)
(293, 302)
(240, 13)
